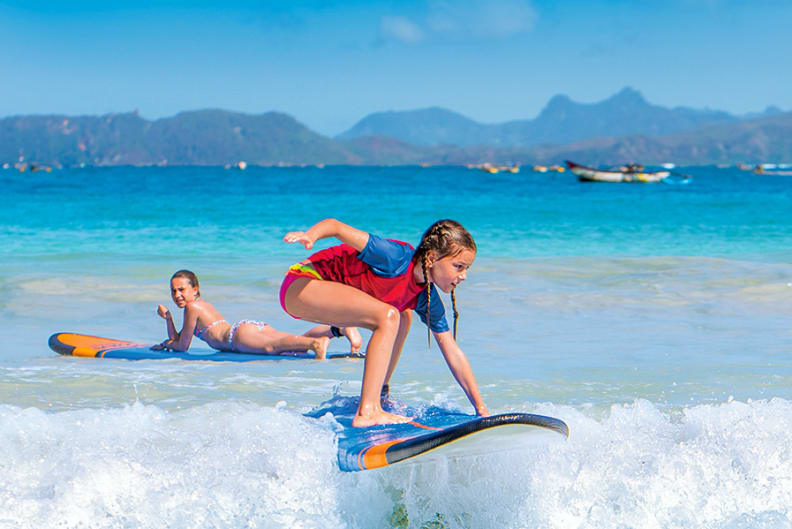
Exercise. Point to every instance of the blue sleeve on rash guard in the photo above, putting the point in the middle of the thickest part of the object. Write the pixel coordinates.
(386, 258)
(436, 311)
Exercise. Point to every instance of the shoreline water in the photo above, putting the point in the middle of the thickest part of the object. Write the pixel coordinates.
(654, 320)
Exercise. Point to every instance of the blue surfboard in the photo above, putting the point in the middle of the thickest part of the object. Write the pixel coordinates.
(433, 432)
(73, 344)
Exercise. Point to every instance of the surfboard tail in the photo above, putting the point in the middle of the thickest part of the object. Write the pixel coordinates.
(67, 343)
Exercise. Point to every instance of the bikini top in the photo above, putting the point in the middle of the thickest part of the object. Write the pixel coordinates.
(200, 333)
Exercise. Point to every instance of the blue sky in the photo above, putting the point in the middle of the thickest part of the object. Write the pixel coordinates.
(329, 64)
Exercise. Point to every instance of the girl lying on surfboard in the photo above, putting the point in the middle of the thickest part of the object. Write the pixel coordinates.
(373, 282)
(245, 336)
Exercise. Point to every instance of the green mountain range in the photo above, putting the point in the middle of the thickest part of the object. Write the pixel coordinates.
(561, 121)
(203, 137)
(623, 128)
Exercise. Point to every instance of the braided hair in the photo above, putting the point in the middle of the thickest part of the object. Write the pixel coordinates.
(443, 238)
(191, 278)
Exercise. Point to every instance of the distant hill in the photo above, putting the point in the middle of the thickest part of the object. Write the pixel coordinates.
(765, 139)
(384, 150)
(425, 127)
(218, 137)
(561, 121)
(203, 137)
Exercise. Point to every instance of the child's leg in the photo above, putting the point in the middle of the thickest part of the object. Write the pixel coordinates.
(320, 331)
(250, 339)
(327, 301)
(352, 334)
(405, 321)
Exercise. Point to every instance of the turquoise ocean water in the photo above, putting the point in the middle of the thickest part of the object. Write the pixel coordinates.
(656, 320)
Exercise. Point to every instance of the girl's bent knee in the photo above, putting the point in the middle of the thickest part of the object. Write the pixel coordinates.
(388, 319)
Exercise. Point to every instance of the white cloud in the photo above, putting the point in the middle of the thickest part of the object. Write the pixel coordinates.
(481, 18)
(460, 19)
(401, 28)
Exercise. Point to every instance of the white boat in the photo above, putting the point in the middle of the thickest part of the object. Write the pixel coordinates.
(632, 173)
(762, 168)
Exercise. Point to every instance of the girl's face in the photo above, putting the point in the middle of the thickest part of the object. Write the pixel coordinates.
(182, 291)
(447, 273)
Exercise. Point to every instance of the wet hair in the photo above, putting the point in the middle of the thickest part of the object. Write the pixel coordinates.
(190, 277)
(445, 237)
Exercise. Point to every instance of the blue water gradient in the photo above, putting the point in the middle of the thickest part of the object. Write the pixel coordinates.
(211, 211)
(653, 319)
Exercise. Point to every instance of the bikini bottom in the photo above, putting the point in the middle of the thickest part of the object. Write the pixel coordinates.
(259, 324)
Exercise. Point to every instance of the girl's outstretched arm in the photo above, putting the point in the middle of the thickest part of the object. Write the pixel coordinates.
(180, 341)
(460, 368)
(329, 228)
(165, 314)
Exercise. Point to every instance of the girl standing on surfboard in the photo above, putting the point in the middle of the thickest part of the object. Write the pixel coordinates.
(373, 282)
(245, 336)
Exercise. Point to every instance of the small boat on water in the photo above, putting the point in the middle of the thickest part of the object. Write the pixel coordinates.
(630, 173)
(493, 169)
(769, 169)
(545, 168)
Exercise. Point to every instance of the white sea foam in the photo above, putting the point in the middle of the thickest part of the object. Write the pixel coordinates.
(235, 464)
(220, 465)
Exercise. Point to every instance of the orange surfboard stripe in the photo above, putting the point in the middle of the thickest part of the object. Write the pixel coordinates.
(374, 457)
(90, 346)
(95, 342)
(84, 351)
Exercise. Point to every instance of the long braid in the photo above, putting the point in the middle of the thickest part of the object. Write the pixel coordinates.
(425, 263)
(456, 314)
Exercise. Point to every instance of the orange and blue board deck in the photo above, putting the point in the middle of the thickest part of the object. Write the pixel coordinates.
(67, 343)
(434, 433)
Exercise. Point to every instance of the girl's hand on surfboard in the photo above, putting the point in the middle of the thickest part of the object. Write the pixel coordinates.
(300, 237)
(163, 311)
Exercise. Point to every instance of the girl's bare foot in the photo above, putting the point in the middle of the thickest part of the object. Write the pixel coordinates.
(353, 335)
(320, 346)
(374, 417)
